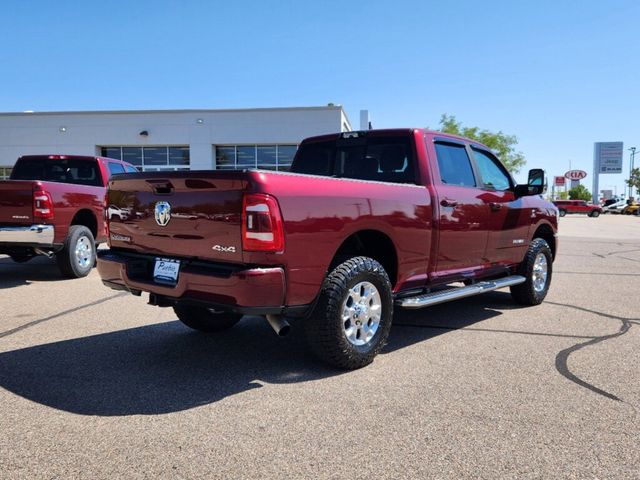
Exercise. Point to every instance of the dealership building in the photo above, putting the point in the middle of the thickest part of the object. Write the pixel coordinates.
(157, 140)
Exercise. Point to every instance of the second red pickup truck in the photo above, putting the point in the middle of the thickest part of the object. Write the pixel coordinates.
(53, 205)
(364, 222)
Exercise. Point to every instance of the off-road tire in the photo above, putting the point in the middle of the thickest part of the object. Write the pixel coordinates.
(562, 212)
(206, 319)
(525, 293)
(594, 213)
(67, 260)
(325, 330)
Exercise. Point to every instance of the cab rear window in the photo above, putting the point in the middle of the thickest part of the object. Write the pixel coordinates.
(379, 158)
(78, 172)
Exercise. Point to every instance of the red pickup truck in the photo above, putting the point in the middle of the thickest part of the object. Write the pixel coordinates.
(577, 206)
(54, 205)
(363, 223)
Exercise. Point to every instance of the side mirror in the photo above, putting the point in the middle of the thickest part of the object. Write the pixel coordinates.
(536, 184)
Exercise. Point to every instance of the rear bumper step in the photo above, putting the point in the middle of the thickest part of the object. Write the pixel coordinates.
(442, 296)
(28, 235)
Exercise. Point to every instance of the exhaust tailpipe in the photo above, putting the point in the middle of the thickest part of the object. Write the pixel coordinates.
(46, 253)
(279, 325)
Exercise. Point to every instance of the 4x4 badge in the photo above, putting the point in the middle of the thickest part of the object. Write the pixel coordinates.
(163, 213)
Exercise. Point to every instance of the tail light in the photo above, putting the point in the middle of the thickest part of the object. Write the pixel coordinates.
(42, 205)
(262, 229)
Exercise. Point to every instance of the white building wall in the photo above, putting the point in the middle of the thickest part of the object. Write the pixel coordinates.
(84, 132)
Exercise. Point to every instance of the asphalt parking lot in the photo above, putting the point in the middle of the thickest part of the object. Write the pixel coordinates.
(96, 384)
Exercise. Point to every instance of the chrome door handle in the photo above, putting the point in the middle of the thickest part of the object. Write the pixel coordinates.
(445, 202)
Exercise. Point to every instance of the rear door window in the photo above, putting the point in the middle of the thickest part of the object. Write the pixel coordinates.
(115, 168)
(454, 165)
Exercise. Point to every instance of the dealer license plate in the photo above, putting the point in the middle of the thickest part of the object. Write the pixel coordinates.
(166, 271)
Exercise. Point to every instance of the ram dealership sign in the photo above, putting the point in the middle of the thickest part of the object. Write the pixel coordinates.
(575, 174)
(608, 157)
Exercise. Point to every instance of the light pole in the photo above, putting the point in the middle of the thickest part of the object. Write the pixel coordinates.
(633, 154)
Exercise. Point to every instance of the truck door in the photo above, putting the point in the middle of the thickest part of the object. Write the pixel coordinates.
(462, 214)
(509, 219)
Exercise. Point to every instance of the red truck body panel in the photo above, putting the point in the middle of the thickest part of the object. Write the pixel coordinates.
(485, 233)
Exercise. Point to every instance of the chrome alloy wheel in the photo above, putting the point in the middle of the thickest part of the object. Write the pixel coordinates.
(361, 313)
(540, 271)
(83, 252)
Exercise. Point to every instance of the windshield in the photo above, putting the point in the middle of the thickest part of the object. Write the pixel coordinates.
(383, 159)
(79, 172)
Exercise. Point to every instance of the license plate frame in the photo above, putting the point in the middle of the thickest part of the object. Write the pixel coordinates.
(166, 271)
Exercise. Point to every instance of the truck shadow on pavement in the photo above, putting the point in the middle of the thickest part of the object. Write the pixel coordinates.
(39, 269)
(165, 367)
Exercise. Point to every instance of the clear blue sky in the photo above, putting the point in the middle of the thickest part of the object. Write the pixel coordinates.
(558, 74)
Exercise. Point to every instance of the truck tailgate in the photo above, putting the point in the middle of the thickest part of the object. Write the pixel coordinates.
(178, 214)
(16, 202)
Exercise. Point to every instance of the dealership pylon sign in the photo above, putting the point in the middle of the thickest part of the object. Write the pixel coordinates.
(607, 158)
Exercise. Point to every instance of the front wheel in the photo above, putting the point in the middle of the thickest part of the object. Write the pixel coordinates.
(594, 214)
(78, 255)
(206, 319)
(536, 267)
(562, 213)
(352, 319)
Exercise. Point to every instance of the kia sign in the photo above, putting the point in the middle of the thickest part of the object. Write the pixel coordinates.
(558, 181)
(608, 157)
(575, 174)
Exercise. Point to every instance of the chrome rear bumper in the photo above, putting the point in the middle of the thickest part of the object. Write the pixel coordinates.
(31, 235)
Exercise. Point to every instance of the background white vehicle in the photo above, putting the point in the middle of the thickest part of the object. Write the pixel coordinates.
(615, 207)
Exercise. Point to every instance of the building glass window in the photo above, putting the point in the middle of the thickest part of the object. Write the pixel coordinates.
(285, 156)
(155, 155)
(265, 157)
(5, 173)
(154, 158)
(178, 155)
(226, 158)
(246, 157)
(112, 152)
(132, 155)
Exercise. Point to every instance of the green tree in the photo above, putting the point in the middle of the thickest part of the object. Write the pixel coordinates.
(634, 180)
(501, 143)
(580, 192)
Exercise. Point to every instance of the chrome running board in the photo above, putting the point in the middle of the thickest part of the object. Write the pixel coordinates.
(442, 296)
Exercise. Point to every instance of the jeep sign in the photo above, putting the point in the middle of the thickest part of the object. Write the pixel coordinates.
(575, 174)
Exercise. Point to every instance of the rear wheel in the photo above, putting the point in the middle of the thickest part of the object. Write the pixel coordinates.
(594, 213)
(78, 255)
(536, 267)
(352, 319)
(206, 319)
(562, 213)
